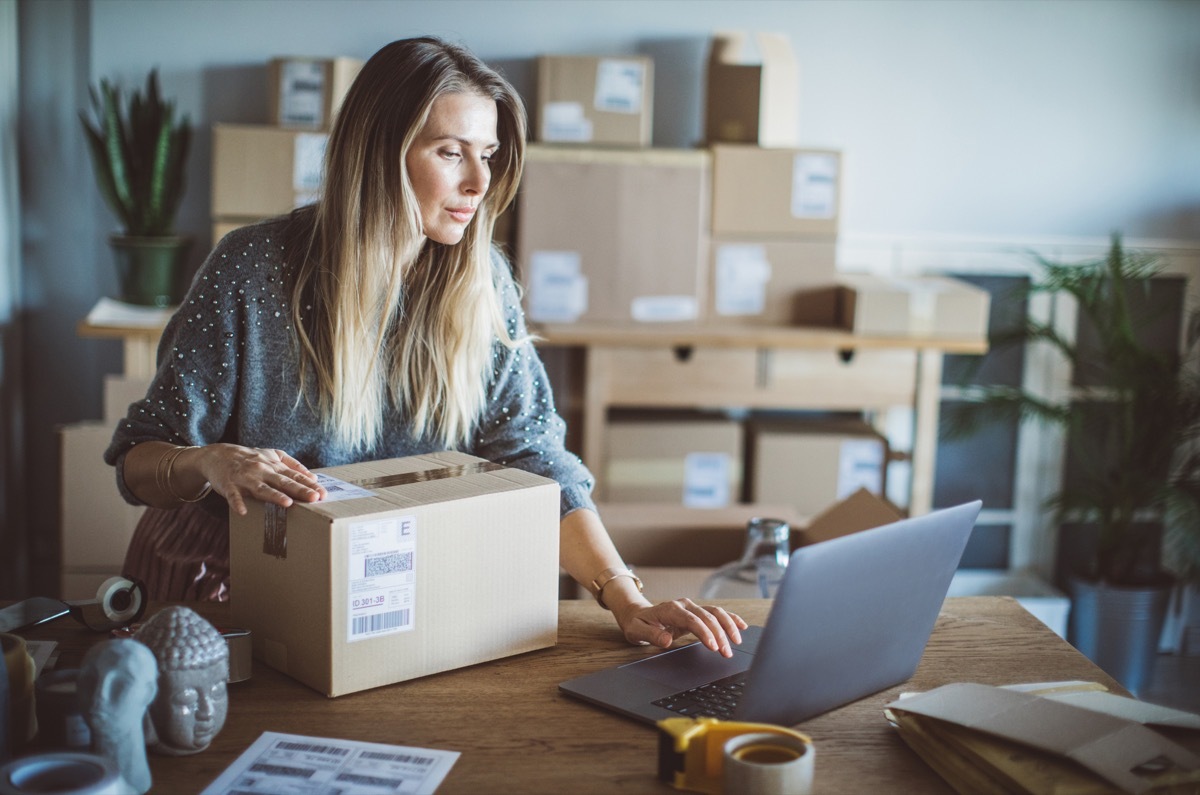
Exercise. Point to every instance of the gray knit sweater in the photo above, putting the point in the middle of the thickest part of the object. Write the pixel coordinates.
(227, 372)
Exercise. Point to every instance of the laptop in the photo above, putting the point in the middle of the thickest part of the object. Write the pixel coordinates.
(851, 618)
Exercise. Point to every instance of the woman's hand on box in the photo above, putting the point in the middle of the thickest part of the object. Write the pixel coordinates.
(239, 473)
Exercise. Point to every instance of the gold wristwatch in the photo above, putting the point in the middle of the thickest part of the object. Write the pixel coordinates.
(608, 575)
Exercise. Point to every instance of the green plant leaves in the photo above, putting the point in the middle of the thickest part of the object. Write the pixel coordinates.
(139, 157)
(1134, 431)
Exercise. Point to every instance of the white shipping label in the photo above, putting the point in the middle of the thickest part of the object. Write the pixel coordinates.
(557, 289)
(565, 122)
(814, 186)
(302, 94)
(308, 151)
(743, 272)
(706, 480)
(860, 465)
(663, 308)
(340, 489)
(382, 581)
(620, 85)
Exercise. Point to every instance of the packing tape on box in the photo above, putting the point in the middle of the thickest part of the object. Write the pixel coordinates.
(275, 516)
(714, 756)
(66, 773)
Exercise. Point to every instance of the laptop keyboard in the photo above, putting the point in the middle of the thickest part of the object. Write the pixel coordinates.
(714, 700)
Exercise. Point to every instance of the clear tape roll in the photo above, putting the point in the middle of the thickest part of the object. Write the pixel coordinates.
(763, 763)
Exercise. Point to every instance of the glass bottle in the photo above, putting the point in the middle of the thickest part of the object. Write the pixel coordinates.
(759, 571)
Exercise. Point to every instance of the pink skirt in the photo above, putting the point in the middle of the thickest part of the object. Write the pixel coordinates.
(181, 555)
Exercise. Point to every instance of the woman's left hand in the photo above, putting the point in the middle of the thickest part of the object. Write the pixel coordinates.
(660, 624)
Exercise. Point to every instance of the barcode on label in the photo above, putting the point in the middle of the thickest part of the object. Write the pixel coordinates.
(407, 759)
(371, 781)
(381, 622)
(389, 563)
(281, 770)
(309, 748)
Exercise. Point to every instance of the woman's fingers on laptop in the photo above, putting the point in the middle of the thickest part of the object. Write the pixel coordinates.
(660, 624)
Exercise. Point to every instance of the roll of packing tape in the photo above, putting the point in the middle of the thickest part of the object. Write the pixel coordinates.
(768, 764)
(65, 773)
(22, 719)
(61, 726)
(121, 600)
(240, 653)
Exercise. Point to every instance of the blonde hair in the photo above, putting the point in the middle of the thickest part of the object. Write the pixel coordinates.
(384, 317)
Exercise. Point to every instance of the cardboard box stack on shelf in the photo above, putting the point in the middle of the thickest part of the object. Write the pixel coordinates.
(689, 461)
(613, 235)
(608, 229)
(775, 205)
(810, 464)
(260, 171)
(915, 306)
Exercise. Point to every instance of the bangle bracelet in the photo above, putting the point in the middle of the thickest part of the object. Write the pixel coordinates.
(608, 575)
(165, 483)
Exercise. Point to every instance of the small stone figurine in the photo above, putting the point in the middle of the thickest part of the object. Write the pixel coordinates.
(193, 666)
(117, 682)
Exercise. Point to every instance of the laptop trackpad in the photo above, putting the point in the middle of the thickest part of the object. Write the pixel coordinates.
(689, 666)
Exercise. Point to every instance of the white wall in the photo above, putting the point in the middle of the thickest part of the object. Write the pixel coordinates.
(984, 118)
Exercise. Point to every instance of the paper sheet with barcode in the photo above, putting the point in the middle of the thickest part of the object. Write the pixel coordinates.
(298, 765)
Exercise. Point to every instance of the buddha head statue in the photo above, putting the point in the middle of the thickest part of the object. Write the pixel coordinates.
(193, 666)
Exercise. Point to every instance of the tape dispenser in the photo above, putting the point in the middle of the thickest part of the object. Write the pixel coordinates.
(119, 602)
(691, 751)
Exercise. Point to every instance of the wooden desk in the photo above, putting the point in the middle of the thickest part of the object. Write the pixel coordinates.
(517, 733)
(692, 366)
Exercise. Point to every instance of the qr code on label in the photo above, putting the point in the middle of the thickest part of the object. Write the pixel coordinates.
(388, 563)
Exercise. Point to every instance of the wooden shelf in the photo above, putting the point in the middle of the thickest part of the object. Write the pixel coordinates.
(712, 336)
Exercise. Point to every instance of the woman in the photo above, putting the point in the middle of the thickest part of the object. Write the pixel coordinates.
(378, 323)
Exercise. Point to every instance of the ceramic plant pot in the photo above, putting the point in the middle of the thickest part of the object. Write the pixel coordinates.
(1118, 628)
(150, 270)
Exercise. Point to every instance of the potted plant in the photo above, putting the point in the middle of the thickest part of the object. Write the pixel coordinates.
(1133, 468)
(138, 153)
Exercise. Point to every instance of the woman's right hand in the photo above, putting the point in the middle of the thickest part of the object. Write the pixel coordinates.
(239, 473)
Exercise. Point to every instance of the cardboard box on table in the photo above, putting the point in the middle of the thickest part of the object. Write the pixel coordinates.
(613, 235)
(260, 171)
(306, 92)
(674, 549)
(595, 100)
(395, 576)
(915, 306)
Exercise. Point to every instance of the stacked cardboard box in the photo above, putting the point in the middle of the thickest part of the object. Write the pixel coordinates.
(686, 461)
(613, 235)
(259, 171)
(917, 306)
(808, 464)
(595, 100)
(775, 206)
